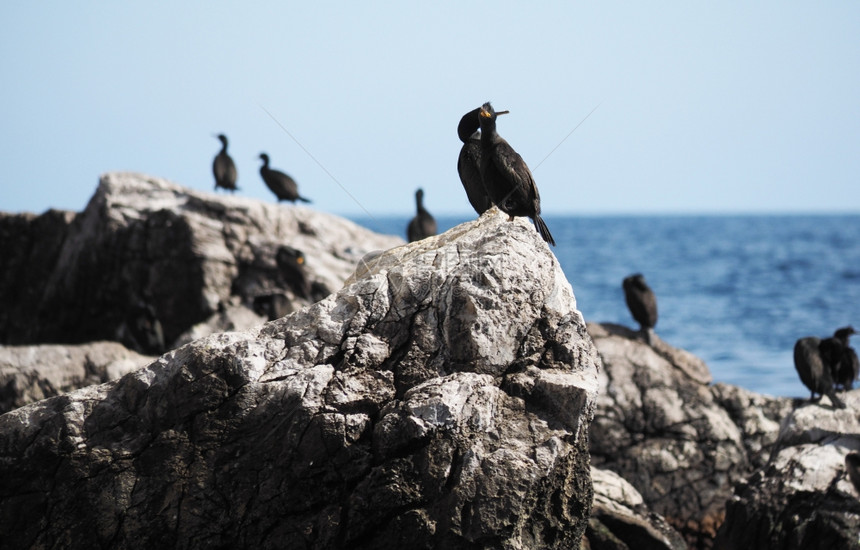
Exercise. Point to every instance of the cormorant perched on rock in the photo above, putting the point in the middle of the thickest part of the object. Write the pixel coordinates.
(422, 225)
(641, 302)
(283, 186)
(291, 268)
(814, 371)
(469, 161)
(840, 356)
(224, 168)
(507, 179)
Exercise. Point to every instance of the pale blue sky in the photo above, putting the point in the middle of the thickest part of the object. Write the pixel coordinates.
(704, 107)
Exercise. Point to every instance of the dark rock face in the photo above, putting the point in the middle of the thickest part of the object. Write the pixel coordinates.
(145, 242)
(440, 400)
(802, 497)
(29, 246)
(681, 443)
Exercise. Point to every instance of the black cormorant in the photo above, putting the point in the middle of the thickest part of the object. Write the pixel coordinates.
(469, 161)
(840, 356)
(641, 302)
(507, 179)
(283, 186)
(422, 225)
(292, 271)
(814, 371)
(224, 168)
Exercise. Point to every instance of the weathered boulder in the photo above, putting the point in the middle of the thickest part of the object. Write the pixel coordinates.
(440, 400)
(143, 242)
(621, 521)
(680, 442)
(32, 373)
(801, 498)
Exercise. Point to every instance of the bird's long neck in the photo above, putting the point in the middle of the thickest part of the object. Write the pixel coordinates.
(488, 131)
(224, 147)
(419, 203)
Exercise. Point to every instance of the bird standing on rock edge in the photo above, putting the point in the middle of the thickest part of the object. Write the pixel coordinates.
(283, 186)
(841, 358)
(423, 225)
(814, 371)
(469, 160)
(507, 179)
(224, 168)
(642, 303)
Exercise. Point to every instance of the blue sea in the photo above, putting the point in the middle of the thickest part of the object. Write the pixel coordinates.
(737, 291)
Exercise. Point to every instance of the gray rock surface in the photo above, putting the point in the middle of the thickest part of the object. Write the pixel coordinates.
(680, 442)
(620, 520)
(144, 239)
(32, 373)
(801, 498)
(441, 400)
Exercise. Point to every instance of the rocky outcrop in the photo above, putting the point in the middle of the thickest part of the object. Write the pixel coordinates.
(620, 520)
(680, 442)
(32, 373)
(801, 498)
(145, 244)
(440, 400)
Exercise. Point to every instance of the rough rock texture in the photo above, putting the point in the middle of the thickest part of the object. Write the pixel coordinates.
(441, 400)
(31, 373)
(681, 443)
(145, 240)
(802, 498)
(621, 521)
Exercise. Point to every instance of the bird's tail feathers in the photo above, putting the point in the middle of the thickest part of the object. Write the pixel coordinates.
(543, 230)
(304, 199)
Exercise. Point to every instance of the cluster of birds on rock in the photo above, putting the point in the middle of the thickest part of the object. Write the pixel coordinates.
(825, 366)
(283, 186)
(492, 173)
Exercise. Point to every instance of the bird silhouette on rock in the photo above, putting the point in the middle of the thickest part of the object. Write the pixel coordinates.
(507, 179)
(283, 186)
(423, 225)
(224, 168)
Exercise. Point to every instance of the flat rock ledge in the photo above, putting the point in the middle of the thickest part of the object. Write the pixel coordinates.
(440, 400)
(33, 373)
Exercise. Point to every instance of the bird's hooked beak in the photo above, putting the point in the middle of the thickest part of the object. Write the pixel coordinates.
(502, 113)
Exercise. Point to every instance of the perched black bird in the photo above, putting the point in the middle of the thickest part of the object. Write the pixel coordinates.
(641, 302)
(469, 161)
(841, 357)
(283, 186)
(507, 179)
(814, 371)
(291, 269)
(422, 225)
(224, 168)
